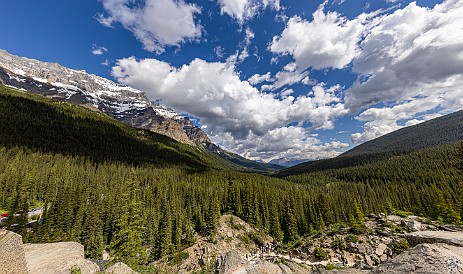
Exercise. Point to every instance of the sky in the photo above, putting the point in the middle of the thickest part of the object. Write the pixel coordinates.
(271, 80)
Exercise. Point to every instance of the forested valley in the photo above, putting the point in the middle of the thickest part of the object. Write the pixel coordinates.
(144, 196)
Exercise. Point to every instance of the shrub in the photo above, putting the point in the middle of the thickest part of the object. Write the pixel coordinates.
(352, 238)
(399, 246)
(331, 266)
(178, 258)
(321, 253)
(358, 229)
(338, 244)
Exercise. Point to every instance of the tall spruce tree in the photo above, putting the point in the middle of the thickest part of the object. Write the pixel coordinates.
(127, 243)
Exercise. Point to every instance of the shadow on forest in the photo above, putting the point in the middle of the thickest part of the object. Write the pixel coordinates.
(71, 130)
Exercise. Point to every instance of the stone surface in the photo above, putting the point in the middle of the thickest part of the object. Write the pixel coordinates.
(383, 258)
(413, 225)
(119, 268)
(12, 257)
(361, 248)
(369, 261)
(228, 262)
(426, 258)
(57, 258)
(430, 237)
(380, 249)
(258, 267)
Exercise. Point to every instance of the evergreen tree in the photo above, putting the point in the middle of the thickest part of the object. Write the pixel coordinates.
(127, 242)
(290, 229)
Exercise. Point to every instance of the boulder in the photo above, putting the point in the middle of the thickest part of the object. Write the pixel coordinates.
(58, 258)
(412, 225)
(369, 261)
(257, 267)
(361, 248)
(380, 249)
(229, 261)
(383, 258)
(426, 258)
(430, 237)
(119, 268)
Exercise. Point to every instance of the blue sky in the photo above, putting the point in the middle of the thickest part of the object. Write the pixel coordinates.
(268, 79)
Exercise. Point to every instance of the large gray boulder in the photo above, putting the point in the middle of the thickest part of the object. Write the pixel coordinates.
(58, 258)
(431, 237)
(426, 258)
(119, 268)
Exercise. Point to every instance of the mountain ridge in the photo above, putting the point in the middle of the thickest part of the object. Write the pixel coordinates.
(435, 132)
(120, 102)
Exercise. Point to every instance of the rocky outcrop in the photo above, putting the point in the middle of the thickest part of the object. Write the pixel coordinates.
(12, 257)
(259, 267)
(426, 258)
(431, 237)
(58, 258)
(119, 268)
(228, 262)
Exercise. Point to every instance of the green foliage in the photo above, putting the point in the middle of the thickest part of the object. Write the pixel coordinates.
(75, 270)
(338, 244)
(436, 132)
(127, 242)
(358, 229)
(352, 238)
(331, 266)
(178, 258)
(105, 184)
(321, 253)
(252, 238)
(399, 246)
(282, 260)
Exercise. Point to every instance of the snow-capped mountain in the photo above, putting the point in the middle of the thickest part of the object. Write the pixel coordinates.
(123, 103)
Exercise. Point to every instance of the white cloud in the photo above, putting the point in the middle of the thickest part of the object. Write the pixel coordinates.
(219, 51)
(106, 62)
(380, 121)
(155, 23)
(286, 92)
(414, 51)
(287, 78)
(328, 41)
(259, 78)
(98, 50)
(242, 10)
(412, 59)
(292, 142)
(229, 106)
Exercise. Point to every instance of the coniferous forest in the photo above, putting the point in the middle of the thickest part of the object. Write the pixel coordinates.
(144, 196)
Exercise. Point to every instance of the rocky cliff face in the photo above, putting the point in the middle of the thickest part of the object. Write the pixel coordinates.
(128, 105)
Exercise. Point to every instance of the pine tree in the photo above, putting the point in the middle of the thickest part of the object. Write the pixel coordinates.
(358, 212)
(275, 227)
(290, 224)
(127, 242)
(164, 239)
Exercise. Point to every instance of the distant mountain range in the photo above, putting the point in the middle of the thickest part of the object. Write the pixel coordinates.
(439, 131)
(123, 103)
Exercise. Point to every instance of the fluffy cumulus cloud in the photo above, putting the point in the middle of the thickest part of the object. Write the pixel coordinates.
(412, 59)
(155, 23)
(291, 142)
(233, 109)
(380, 121)
(328, 41)
(243, 10)
(259, 78)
